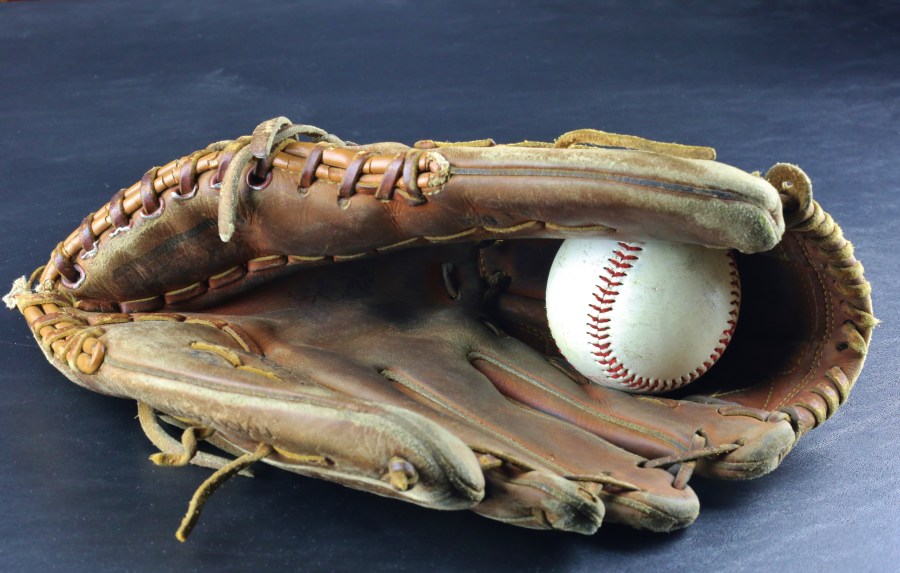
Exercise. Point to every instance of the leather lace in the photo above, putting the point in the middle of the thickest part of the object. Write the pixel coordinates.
(687, 460)
(268, 139)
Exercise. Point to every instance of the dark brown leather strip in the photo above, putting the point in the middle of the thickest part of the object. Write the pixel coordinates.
(307, 177)
(227, 155)
(149, 198)
(188, 174)
(88, 239)
(410, 176)
(117, 212)
(352, 175)
(391, 176)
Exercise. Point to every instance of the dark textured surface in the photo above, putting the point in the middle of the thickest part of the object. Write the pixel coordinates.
(92, 94)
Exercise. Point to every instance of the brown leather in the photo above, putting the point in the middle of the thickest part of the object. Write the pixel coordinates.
(354, 337)
(444, 195)
(806, 318)
(428, 374)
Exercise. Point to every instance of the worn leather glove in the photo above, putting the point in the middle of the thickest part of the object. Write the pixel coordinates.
(373, 315)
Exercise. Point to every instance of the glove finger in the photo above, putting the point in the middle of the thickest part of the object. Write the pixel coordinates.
(523, 487)
(540, 499)
(807, 308)
(208, 380)
(318, 209)
(199, 372)
(656, 427)
(693, 201)
(641, 497)
(549, 469)
(723, 441)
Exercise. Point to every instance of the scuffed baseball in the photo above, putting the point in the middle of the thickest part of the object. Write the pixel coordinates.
(642, 317)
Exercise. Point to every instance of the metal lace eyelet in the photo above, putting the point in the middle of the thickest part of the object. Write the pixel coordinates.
(90, 254)
(254, 182)
(157, 213)
(81, 276)
(214, 182)
(179, 197)
(118, 230)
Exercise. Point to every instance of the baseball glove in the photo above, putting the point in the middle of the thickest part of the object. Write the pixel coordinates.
(373, 315)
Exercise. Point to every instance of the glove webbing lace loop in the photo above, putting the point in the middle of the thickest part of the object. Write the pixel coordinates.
(172, 450)
(189, 448)
(688, 459)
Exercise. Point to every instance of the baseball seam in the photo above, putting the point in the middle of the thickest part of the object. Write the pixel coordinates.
(599, 326)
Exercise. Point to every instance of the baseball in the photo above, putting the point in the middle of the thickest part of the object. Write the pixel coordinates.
(642, 317)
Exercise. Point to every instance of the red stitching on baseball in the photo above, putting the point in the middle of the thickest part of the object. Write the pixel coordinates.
(606, 297)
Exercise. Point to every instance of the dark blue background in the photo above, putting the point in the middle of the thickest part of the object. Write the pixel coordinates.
(94, 93)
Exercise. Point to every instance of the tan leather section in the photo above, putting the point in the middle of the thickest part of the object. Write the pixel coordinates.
(159, 364)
